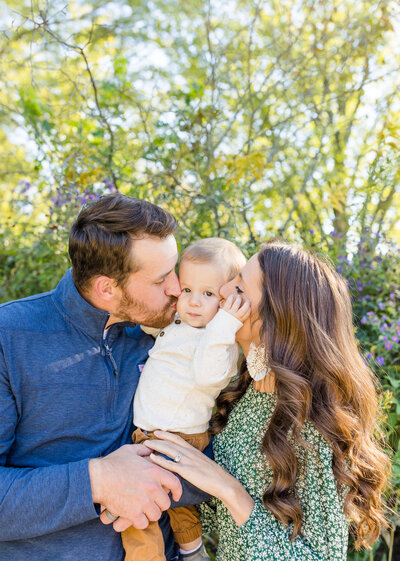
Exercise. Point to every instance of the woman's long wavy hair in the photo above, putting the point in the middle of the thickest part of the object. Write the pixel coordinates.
(321, 377)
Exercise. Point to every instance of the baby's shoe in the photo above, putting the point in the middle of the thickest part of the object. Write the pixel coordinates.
(198, 555)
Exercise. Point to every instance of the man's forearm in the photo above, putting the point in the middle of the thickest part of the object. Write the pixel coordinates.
(35, 502)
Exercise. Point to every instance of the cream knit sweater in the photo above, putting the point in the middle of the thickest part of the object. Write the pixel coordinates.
(186, 370)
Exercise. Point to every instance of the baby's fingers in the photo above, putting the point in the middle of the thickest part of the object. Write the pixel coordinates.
(236, 304)
(232, 303)
(228, 302)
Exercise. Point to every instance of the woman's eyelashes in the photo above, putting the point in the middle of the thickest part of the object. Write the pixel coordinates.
(238, 290)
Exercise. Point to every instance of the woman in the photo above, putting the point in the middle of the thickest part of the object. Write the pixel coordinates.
(296, 454)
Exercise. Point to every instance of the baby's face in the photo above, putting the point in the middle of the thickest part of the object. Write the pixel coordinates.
(199, 300)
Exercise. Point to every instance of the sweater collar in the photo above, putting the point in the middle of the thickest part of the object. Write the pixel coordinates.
(80, 313)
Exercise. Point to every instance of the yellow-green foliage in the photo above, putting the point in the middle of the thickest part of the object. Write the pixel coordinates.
(246, 119)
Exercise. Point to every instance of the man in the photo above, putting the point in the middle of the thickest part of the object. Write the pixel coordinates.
(70, 360)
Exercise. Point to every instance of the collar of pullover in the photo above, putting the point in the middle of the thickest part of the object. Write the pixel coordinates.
(80, 313)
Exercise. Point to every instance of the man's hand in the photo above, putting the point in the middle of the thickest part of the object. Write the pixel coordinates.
(237, 306)
(128, 485)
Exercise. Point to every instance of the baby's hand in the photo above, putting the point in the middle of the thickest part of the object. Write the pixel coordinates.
(237, 306)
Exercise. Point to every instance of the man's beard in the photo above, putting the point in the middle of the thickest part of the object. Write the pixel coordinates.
(136, 311)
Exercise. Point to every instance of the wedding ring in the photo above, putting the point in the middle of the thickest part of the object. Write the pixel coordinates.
(111, 516)
(178, 457)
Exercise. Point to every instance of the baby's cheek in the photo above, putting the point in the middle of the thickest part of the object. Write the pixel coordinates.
(215, 306)
(180, 305)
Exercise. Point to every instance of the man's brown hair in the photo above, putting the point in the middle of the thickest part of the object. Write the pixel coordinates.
(100, 240)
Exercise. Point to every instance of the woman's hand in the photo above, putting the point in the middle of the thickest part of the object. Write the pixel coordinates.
(195, 467)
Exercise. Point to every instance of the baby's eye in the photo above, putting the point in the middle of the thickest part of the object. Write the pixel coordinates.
(239, 290)
(208, 293)
(185, 289)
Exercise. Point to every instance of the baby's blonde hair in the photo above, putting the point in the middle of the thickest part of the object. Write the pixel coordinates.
(216, 251)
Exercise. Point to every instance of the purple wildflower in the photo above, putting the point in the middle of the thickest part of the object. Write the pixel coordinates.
(380, 360)
(26, 186)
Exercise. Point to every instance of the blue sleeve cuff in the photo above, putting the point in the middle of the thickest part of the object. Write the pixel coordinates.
(191, 495)
(82, 489)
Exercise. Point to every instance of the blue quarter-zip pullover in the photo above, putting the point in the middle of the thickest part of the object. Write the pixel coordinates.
(65, 397)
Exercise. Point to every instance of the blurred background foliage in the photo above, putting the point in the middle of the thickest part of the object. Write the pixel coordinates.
(247, 119)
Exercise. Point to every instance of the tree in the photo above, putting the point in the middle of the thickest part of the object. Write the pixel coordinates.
(246, 119)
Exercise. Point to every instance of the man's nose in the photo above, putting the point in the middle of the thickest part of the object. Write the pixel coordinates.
(173, 287)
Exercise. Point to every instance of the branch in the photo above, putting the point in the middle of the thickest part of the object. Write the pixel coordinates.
(44, 25)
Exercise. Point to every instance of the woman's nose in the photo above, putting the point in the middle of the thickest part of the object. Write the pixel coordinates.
(228, 288)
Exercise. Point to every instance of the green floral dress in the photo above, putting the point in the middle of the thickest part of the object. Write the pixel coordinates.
(324, 530)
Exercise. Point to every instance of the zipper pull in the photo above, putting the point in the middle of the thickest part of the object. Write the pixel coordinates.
(110, 356)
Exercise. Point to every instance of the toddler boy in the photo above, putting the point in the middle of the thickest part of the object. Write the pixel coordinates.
(192, 360)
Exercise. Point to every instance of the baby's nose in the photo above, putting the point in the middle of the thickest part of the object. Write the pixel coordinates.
(194, 299)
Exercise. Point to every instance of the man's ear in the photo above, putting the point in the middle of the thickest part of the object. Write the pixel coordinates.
(104, 288)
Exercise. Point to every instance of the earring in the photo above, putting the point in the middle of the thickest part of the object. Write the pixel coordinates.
(257, 362)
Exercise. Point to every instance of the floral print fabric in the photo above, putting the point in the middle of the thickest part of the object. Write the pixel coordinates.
(324, 531)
